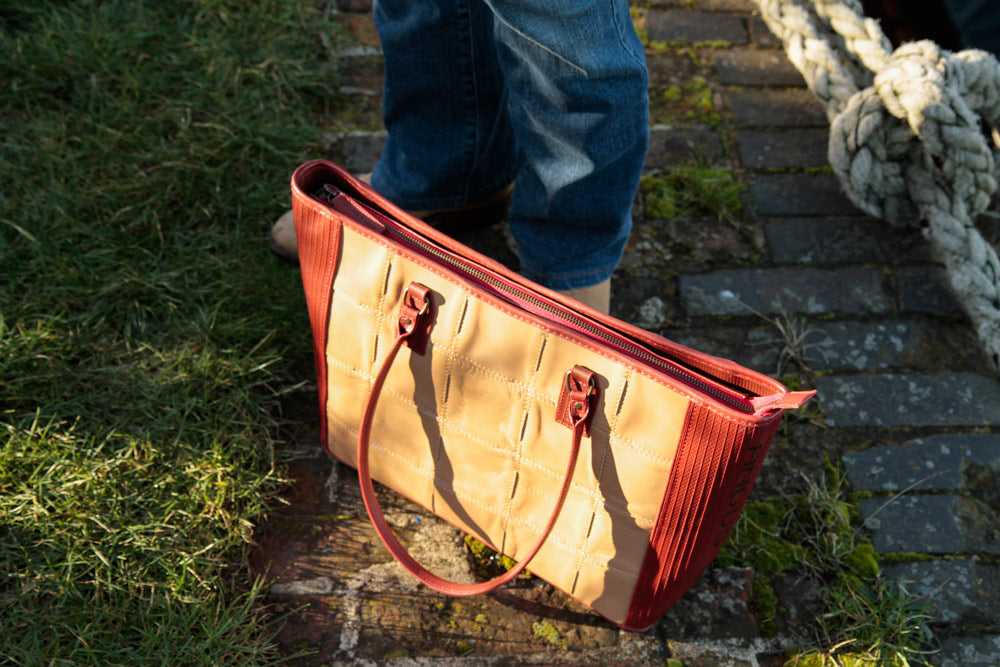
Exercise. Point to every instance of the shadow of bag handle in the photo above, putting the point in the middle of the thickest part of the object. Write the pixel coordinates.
(413, 327)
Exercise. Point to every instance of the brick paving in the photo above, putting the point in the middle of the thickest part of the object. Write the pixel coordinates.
(909, 403)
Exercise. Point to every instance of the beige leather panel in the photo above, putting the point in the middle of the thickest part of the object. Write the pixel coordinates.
(503, 345)
(367, 264)
(469, 429)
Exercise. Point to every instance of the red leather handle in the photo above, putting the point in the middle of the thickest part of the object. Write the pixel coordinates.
(408, 324)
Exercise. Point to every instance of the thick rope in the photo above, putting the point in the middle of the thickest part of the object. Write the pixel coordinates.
(906, 135)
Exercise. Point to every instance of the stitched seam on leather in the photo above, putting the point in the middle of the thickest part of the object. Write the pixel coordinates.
(705, 401)
(566, 546)
(343, 364)
(607, 504)
(458, 430)
(340, 294)
(584, 544)
(455, 428)
(442, 410)
(496, 375)
(614, 437)
(380, 315)
(525, 412)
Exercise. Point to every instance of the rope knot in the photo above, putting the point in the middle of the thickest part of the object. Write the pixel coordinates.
(910, 146)
(920, 113)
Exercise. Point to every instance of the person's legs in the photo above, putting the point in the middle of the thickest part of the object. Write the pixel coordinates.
(449, 143)
(575, 75)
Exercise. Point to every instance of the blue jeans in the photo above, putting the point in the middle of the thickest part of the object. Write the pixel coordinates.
(977, 23)
(549, 94)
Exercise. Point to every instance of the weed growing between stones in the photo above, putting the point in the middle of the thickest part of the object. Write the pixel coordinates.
(687, 102)
(793, 335)
(862, 618)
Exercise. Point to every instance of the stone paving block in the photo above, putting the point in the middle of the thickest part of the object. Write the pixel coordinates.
(691, 27)
(360, 26)
(800, 194)
(850, 290)
(669, 146)
(793, 148)
(667, 68)
(963, 591)
(761, 36)
(717, 607)
(955, 399)
(749, 67)
(937, 462)
(357, 151)
(925, 289)
(873, 346)
(842, 240)
(363, 72)
(927, 524)
(842, 346)
(969, 651)
(776, 108)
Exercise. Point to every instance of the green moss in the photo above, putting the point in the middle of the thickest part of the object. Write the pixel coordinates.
(904, 557)
(863, 561)
(545, 630)
(487, 562)
(714, 44)
(765, 605)
(692, 191)
(465, 647)
(674, 662)
(763, 538)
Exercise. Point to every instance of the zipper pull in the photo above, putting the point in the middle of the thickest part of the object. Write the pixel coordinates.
(347, 206)
(789, 400)
(327, 193)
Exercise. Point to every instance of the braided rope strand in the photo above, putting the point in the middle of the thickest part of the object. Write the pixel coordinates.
(906, 136)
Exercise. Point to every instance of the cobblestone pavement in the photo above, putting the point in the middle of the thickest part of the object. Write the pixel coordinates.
(909, 405)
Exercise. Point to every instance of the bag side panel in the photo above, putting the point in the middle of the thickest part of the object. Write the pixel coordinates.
(714, 470)
(318, 235)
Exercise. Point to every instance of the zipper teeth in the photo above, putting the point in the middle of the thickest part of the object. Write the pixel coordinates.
(573, 318)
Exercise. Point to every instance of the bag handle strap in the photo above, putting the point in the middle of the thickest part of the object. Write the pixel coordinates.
(413, 325)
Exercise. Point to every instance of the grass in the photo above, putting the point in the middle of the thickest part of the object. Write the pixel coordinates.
(864, 619)
(146, 334)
